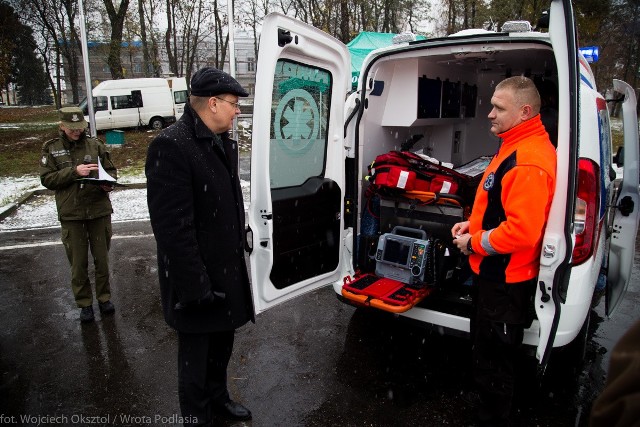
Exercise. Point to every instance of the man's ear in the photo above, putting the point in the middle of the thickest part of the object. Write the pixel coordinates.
(527, 112)
(212, 104)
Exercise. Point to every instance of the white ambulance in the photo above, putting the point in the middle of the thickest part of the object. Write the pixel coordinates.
(311, 151)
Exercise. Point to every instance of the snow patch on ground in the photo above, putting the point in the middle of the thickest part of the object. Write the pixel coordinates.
(11, 189)
(40, 210)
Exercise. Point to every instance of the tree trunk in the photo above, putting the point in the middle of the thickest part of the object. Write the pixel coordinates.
(345, 36)
(117, 24)
(143, 38)
(169, 37)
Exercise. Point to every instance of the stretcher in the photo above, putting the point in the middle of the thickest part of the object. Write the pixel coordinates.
(383, 293)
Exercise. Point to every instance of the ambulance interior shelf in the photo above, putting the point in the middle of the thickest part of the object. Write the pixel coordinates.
(405, 249)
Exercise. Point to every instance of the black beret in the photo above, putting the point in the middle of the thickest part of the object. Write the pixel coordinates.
(210, 81)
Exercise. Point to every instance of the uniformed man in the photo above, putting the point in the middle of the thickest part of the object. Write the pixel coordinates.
(84, 208)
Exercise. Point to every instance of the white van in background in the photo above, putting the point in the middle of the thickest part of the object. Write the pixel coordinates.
(179, 93)
(311, 151)
(126, 103)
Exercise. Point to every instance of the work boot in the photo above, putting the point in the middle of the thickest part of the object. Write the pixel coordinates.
(86, 314)
(106, 307)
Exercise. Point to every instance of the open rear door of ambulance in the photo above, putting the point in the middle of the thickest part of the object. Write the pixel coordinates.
(555, 268)
(626, 214)
(296, 215)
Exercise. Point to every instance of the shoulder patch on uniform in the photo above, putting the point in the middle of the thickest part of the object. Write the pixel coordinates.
(46, 143)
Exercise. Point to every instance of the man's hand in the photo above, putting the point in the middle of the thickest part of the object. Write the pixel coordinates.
(207, 300)
(459, 229)
(107, 187)
(461, 242)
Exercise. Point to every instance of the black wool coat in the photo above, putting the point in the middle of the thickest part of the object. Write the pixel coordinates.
(197, 215)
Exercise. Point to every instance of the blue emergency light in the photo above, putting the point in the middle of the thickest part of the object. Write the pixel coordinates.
(590, 53)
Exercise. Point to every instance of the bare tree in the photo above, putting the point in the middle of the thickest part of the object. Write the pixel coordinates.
(170, 38)
(194, 18)
(117, 17)
(152, 40)
(146, 54)
(222, 40)
(54, 21)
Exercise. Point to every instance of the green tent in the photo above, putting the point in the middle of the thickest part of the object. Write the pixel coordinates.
(364, 43)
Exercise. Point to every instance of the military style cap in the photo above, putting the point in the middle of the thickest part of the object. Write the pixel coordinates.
(72, 118)
(210, 81)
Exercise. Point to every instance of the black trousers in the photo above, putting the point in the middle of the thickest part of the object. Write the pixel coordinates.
(202, 374)
(502, 313)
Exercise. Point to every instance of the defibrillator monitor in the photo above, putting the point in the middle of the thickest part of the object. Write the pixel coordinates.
(401, 258)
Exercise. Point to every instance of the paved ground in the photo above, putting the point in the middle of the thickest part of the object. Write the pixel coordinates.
(310, 362)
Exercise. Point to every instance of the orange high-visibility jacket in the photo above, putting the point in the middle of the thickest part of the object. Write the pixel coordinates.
(512, 205)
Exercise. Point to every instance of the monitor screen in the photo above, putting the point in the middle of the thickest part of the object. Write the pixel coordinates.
(396, 251)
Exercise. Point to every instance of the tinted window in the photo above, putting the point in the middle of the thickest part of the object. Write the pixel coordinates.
(100, 103)
(122, 101)
(180, 96)
(299, 117)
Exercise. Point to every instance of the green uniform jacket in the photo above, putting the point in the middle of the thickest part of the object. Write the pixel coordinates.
(58, 172)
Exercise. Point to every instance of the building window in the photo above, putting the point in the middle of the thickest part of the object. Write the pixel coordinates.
(251, 65)
(137, 68)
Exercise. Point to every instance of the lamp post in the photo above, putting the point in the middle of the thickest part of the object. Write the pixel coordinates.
(87, 74)
(232, 60)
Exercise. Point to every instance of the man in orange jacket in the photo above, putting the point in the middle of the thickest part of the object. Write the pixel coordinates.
(503, 239)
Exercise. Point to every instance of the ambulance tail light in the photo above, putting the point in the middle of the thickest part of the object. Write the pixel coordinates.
(586, 210)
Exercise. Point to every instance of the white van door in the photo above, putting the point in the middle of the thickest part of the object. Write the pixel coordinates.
(125, 112)
(102, 112)
(555, 260)
(296, 214)
(625, 219)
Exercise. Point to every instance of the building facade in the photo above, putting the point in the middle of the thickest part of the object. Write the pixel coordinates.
(132, 60)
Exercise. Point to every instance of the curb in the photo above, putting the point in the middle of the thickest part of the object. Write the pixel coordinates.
(12, 207)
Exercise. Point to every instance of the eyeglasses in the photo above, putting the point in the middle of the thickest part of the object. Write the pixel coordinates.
(236, 105)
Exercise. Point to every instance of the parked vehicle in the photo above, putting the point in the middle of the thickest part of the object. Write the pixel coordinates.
(311, 151)
(179, 93)
(129, 103)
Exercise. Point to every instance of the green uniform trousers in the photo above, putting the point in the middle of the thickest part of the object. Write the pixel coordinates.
(78, 237)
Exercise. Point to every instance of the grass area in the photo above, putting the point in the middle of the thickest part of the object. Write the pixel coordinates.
(20, 145)
(23, 130)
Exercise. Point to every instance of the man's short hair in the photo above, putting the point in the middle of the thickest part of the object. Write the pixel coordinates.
(198, 102)
(524, 90)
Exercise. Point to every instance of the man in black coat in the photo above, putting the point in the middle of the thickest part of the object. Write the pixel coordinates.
(197, 215)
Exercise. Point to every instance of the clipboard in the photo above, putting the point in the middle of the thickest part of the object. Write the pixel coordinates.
(103, 178)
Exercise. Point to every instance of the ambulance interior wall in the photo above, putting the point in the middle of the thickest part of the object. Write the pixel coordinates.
(391, 114)
(391, 118)
(452, 140)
